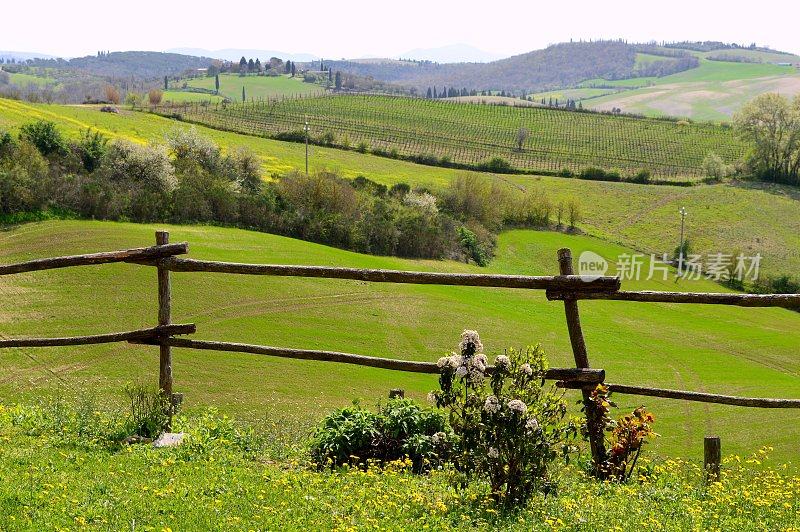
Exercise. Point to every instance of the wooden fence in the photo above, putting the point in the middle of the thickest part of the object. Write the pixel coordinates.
(566, 287)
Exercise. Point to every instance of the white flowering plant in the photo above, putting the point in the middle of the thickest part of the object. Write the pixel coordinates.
(511, 429)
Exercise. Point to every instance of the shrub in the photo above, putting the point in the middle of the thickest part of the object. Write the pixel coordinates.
(147, 415)
(154, 96)
(598, 174)
(400, 429)
(625, 437)
(496, 164)
(714, 167)
(147, 166)
(92, 148)
(23, 171)
(244, 168)
(642, 177)
(472, 247)
(510, 429)
(186, 147)
(112, 94)
(45, 136)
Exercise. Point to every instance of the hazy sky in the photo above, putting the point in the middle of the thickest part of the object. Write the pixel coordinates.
(355, 28)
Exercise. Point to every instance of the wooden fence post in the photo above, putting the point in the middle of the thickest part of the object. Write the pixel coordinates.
(596, 432)
(712, 454)
(165, 318)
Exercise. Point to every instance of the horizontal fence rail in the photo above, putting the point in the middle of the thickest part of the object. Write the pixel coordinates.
(733, 400)
(126, 255)
(573, 375)
(138, 334)
(790, 301)
(574, 283)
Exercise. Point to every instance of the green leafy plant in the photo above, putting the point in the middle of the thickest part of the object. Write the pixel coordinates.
(511, 429)
(45, 136)
(400, 429)
(147, 414)
(624, 438)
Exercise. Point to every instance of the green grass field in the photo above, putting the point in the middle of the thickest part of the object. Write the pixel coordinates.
(474, 134)
(177, 96)
(722, 218)
(707, 348)
(23, 80)
(256, 87)
(226, 478)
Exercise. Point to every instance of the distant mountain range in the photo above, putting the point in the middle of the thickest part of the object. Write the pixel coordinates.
(454, 53)
(23, 56)
(234, 54)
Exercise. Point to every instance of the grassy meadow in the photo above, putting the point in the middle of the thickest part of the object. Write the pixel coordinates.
(706, 348)
(256, 87)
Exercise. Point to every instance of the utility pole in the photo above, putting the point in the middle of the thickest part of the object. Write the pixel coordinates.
(305, 128)
(680, 249)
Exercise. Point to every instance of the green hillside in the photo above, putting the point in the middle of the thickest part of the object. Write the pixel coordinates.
(713, 91)
(722, 218)
(713, 349)
(475, 134)
(256, 87)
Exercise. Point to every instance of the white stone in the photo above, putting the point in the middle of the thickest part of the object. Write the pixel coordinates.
(169, 439)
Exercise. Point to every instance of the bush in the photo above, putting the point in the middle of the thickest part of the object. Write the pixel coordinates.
(472, 247)
(147, 166)
(154, 96)
(510, 430)
(92, 148)
(598, 174)
(400, 429)
(642, 177)
(496, 164)
(714, 167)
(45, 136)
(147, 415)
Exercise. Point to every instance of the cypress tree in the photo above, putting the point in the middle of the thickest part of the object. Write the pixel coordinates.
(166, 83)
(338, 82)
(251, 65)
(244, 98)
(428, 95)
(293, 69)
(216, 83)
(242, 64)
(434, 92)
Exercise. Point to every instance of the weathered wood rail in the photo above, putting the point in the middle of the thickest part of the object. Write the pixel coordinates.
(565, 287)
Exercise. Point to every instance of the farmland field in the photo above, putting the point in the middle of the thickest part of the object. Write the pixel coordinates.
(713, 91)
(714, 349)
(474, 134)
(256, 87)
(722, 218)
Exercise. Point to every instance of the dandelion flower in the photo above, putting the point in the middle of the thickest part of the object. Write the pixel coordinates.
(532, 424)
(432, 398)
(493, 453)
(438, 438)
(526, 369)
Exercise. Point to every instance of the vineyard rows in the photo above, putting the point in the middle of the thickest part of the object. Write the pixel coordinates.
(472, 134)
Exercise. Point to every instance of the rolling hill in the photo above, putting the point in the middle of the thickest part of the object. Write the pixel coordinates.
(451, 133)
(722, 218)
(714, 349)
(713, 91)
